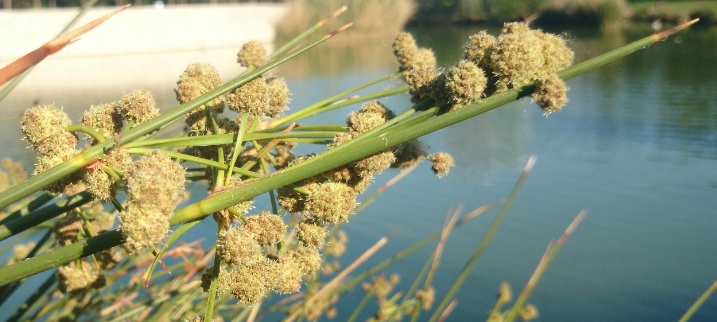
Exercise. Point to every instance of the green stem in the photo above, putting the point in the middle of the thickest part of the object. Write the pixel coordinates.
(96, 135)
(237, 145)
(314, 108)
(43, 214)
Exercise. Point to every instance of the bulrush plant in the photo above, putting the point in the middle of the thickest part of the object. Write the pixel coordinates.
(124, 187)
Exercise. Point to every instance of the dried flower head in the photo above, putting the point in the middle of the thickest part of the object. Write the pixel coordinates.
(371, 115)
(426, 297)
(404, 48)
(155, 186)
(374, 164)
(550, 93)
(104, 118)
(154, 175)
(308, 259)
(252, 98)
(419, 82)
(238, 247)
(408, 154)
(310, 234)
(46, 162)
(73, 279)
(196, 80)
(517, 56)
(278, 96)
(529, 313)
(442, 163)
(556, 54)
(478, 48)
(336, 246)
(248, 285)
(284, 275)
(464, 83)
(20, 252)
(505, 294)
(330, 202)
(267, 228)
(143, 225)
(252, 54)
(138, 106)
(44, 128)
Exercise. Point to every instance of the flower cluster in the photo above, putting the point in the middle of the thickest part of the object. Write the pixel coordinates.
(155, 186)
(518, 56)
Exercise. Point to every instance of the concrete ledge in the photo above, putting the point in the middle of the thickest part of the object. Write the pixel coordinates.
(142, 47)
(140, 30)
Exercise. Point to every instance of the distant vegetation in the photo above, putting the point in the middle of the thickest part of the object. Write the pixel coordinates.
(603, 13)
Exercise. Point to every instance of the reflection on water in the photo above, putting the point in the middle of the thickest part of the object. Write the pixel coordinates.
(636, 145)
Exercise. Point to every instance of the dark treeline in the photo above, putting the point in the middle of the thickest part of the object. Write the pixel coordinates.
(17, 4)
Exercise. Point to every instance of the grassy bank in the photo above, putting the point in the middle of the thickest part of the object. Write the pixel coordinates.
(675, 11)
(607, 14)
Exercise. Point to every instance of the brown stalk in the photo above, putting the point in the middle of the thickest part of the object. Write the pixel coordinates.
(30, 59)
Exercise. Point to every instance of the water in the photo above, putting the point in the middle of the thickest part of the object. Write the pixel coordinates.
(636, 146)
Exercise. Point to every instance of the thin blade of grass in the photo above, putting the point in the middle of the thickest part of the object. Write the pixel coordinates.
(463, 275)
(176, 234)
(701, 300)
(550, 253)
(332, 285)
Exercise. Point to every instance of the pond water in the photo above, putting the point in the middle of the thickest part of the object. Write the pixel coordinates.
(636, 146)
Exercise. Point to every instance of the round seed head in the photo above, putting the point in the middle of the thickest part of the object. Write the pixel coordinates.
(44, 128)
(73, 279)
(252, 54)
(282, 276)
(278, 96)
(46, 162)
(247, 285)
(517, 57)
(426, 297)
(308, 259)
(267, 228)
(310, 234)
(478, 48)
(408, 154)
(252, 98)
(143, 225)
(138, 106)
(550, 93)
(420, 59)
(404, 48)
(105, 118)
(375, 164)
(157, 180)
(465, 83)
(99, 184)
(419, 82)
(330, 202)
(66, 229)
(371, 115)
(556, 54)
(238, 247)
(442, 163)
(196, 80)
(118, 158)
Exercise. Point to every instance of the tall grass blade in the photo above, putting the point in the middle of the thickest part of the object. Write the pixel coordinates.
(465, 272)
